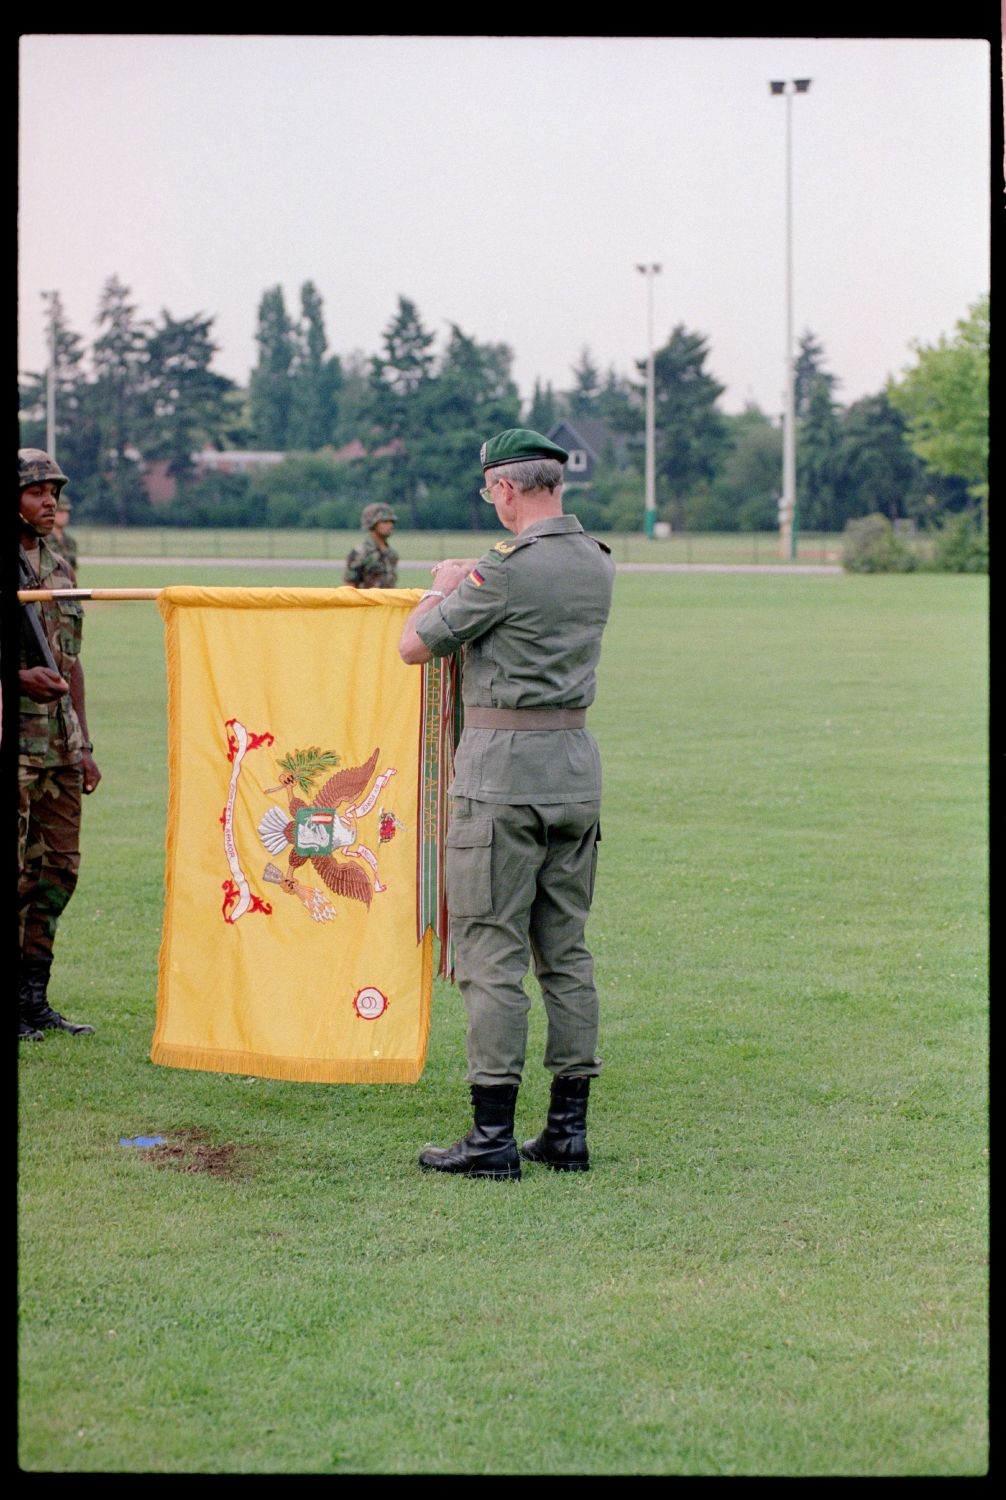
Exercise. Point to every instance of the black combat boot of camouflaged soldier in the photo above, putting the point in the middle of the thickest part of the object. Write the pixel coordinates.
(489, 1148)
(26, 1032)
(33, 1006)
(563, 1143)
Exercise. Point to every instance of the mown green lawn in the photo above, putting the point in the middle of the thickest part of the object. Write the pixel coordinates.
(777, 1264)
(320, 545)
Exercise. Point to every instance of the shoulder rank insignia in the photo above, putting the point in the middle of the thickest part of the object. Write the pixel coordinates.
(505, 547)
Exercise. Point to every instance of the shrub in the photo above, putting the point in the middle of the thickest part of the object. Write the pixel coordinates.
(710, 510)
(870, 546)
(961, 546)
(591, 512)
(612, 502)
(341, 514)
(289, 491)
(214, 500)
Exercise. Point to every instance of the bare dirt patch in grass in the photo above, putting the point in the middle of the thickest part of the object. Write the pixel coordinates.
(192, 1151)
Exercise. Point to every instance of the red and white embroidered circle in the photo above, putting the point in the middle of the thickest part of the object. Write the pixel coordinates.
(370, 1003)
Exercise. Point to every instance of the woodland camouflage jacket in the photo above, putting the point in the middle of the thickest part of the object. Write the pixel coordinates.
(50, 733)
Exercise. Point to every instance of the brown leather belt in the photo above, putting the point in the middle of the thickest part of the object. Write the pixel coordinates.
(525, 718)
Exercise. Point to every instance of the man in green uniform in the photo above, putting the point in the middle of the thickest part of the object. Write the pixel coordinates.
(55, 764)
(63, 540)
(374, 563)
(526, 797)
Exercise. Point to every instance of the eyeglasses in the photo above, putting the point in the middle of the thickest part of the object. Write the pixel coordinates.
(487, 493)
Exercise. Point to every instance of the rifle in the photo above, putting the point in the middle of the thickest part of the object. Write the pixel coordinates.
(40, 640)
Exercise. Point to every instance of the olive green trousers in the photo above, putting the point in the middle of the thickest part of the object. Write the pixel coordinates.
(520, 879)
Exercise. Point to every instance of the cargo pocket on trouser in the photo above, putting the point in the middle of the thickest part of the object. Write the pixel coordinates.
(469, 867)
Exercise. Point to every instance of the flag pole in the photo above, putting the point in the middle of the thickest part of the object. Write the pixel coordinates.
(29, 596)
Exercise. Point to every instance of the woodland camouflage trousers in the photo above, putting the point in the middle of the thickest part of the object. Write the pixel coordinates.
(49, 806)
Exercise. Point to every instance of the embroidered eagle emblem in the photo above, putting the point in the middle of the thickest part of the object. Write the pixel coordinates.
(322, 833)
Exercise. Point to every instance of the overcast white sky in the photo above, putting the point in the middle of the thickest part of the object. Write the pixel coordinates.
(511, 185)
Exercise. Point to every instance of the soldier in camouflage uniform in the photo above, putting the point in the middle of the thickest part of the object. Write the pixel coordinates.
(374, 563)
(525, 801)
(55, 764)
(63, 541)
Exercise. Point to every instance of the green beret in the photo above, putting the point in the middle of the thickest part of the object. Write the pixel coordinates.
(517, 444)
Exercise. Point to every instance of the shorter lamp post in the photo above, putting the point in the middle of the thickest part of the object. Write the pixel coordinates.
(650, 513)
(50, 378)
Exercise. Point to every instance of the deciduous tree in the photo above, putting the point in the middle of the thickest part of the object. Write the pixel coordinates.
(746, 487)
(945, 400)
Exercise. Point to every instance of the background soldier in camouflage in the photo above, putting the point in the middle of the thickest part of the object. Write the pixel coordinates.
(63, 540)
(55, 765)
(525, 801)
(374, 563)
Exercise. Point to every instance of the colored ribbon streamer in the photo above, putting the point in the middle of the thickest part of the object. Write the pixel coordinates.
(440, 730)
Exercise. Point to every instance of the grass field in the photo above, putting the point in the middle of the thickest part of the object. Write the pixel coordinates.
(777, 1264)
(683, 547)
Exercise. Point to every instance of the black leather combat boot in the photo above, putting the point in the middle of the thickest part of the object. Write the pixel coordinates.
(563, 1143)
(34, 1009)
(27, 1031)
(489, 1148)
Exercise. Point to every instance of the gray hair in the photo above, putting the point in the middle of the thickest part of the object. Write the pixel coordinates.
(530, 474)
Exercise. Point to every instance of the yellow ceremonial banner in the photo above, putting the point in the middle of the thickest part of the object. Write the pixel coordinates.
(290, 946)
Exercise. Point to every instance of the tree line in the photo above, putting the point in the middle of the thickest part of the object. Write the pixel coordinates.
(403, 425)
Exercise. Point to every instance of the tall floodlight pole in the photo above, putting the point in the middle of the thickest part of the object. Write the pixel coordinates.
(650, 513)
(50, 379)
(787, 505)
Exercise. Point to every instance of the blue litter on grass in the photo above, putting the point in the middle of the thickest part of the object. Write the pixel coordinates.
(142, 1140)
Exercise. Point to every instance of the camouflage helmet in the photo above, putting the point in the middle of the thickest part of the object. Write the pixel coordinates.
(378, 511)
(34, 466)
